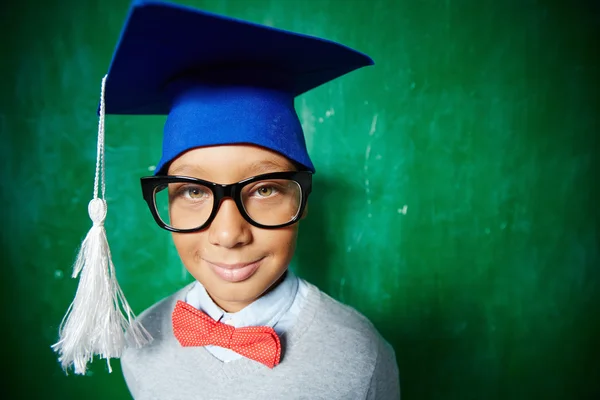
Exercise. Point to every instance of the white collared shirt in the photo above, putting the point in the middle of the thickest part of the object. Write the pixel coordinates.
(278, 309)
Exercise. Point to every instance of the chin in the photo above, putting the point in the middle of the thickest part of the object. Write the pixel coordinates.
(244, 292)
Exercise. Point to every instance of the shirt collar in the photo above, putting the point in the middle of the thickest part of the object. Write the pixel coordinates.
(267, 310)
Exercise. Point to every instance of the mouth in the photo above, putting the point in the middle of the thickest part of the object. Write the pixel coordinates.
(234, 272)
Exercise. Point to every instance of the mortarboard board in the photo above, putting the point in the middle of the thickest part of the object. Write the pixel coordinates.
(220, 81)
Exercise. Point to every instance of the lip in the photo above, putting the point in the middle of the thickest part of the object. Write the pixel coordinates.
(234, 272)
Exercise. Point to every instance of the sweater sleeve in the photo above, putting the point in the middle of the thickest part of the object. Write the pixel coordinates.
(385, 381)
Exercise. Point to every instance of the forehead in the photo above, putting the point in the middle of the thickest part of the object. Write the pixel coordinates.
(229, 163)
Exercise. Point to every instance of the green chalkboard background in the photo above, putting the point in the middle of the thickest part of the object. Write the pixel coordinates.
(455, 202)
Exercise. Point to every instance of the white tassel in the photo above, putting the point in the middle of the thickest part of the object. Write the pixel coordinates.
(99, 321)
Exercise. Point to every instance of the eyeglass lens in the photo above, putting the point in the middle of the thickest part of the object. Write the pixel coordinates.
(270, 202)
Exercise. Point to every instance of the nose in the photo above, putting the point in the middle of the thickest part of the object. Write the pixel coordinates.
(229, 229)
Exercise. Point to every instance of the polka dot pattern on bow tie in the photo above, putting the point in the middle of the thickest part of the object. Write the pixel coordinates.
(192, 327)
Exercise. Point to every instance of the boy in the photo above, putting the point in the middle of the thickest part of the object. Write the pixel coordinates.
(232, 185)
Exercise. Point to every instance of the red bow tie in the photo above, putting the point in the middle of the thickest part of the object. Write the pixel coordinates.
(194, 328)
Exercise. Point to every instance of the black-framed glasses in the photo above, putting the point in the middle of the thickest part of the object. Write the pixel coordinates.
(184, 204)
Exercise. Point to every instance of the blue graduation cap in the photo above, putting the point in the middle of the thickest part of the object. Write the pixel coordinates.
(220, 80)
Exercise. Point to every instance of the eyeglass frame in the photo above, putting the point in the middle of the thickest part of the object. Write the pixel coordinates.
(224, 191)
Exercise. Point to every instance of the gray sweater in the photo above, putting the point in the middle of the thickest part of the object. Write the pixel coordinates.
(332, 352)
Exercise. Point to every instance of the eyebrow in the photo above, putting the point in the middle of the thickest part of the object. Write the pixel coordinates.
(265, 166)
(187, 169)
(255, 168)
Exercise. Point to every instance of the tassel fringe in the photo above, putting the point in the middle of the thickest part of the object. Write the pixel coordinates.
(99, 316)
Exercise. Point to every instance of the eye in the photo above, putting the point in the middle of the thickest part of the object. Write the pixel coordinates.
(194, 192)
(265, 191)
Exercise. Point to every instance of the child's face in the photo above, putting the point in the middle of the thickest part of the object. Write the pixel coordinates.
(230, 240)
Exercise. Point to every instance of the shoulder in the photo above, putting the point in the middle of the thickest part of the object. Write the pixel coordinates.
(345, 328)
(158, 316)
(141, 365)
(340, 335)
(156, 320)
(378, 356)
(344, 320)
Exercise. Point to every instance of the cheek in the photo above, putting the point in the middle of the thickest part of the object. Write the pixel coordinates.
(189, 246)
(280, 243)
